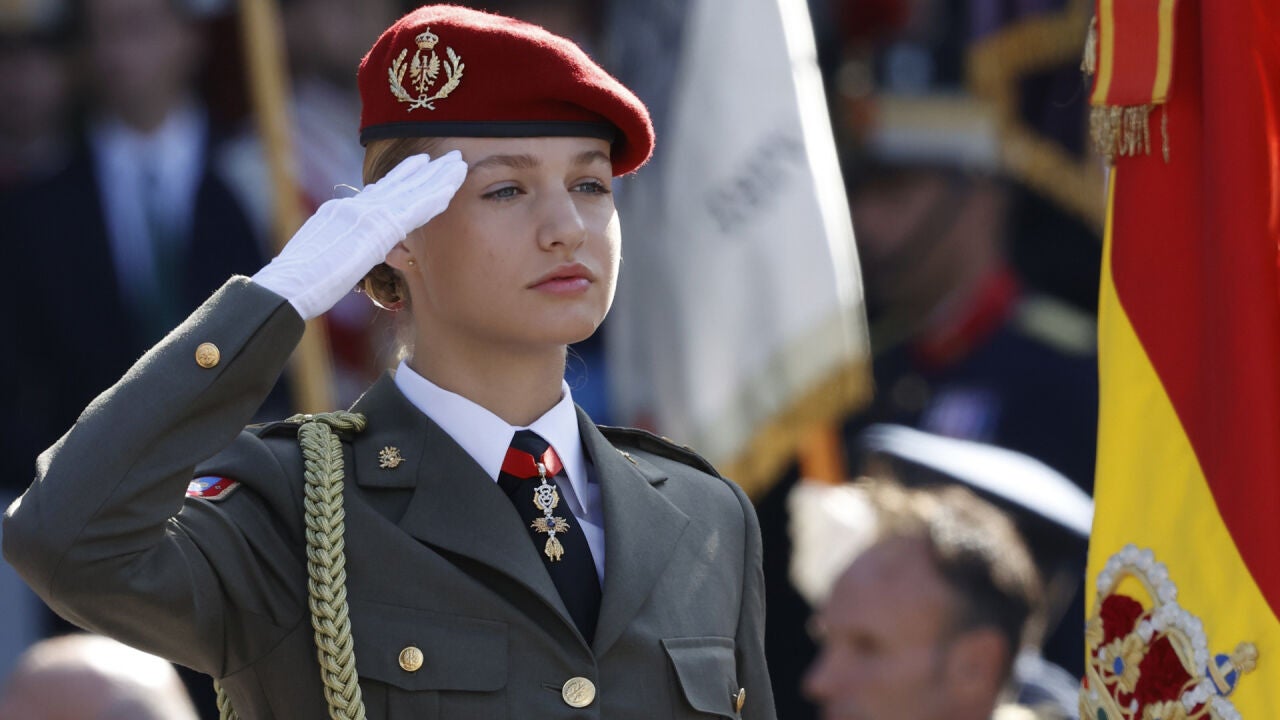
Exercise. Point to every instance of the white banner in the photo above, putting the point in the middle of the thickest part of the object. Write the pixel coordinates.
(739, 322)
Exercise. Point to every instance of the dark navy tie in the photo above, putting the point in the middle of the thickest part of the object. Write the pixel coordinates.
(528, 476)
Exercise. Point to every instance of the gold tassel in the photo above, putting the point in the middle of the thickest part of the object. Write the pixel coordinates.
(1104, 128)
(1089, 63)
(1135, 134)
(1122, 131)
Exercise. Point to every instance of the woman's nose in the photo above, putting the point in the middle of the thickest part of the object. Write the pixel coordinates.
(561, 223)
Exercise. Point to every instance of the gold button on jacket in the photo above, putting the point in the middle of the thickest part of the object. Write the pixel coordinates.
(411, 658)
(578, 692)
(208, 355)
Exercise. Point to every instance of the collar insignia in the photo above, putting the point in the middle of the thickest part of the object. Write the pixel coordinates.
(389, 458)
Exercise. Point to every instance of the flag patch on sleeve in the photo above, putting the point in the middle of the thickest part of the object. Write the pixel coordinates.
(212, 488)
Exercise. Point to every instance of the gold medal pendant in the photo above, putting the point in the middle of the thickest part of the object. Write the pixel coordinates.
(546, 498)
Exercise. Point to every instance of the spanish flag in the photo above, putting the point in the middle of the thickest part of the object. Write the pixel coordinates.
(1184, 566)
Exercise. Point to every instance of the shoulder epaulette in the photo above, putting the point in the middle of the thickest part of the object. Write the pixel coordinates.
(657, 445)
(275, 428)
(288, 427)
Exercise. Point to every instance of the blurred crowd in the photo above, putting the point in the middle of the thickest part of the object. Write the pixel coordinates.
(133, 182)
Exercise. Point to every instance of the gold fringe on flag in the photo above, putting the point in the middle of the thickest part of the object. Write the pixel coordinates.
(1119, 130)
(1122, 131)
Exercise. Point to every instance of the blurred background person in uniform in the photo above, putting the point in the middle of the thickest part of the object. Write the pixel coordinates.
(89, 677)
(121, 237)
(929, 605)
(977, 214)
(129, 234)
(980, 316)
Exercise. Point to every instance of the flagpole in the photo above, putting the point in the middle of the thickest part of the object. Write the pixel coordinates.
(821, 455)
(260, 28)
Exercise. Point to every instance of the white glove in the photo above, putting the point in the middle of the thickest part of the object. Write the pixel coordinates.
(347, 237)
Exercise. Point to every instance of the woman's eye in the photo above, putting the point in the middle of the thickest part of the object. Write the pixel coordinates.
(503, 193)
(592, 186)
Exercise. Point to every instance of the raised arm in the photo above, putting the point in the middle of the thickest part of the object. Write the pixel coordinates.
(102, 534)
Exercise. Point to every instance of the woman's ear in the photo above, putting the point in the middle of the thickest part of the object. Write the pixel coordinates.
(401, 258)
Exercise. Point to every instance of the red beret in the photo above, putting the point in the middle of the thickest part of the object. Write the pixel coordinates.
(449, 71)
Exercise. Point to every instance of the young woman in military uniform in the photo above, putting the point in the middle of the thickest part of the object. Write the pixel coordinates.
(465, 543)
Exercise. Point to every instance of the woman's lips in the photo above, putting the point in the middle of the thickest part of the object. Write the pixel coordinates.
(564, 285)
(564, 280)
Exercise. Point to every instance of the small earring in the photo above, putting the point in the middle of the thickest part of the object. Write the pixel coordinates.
(412, 262)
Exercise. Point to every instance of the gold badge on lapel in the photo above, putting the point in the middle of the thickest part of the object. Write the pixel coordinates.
(423, 71)
(389, 458)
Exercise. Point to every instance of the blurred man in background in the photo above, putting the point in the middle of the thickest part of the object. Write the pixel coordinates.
(133, 229)
(926, 621)
(130, 234)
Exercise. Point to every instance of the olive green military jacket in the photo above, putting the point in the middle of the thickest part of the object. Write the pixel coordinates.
(437, 557)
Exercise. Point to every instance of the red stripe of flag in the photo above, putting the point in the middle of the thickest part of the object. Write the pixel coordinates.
(1135, 51)
(1195, 264)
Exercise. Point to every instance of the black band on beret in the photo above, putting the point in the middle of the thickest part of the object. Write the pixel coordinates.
(489, 129)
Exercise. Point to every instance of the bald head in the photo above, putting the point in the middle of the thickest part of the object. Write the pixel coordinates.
(87, 677)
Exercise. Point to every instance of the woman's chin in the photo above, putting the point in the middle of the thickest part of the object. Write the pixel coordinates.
(577, 335)
(570, 328)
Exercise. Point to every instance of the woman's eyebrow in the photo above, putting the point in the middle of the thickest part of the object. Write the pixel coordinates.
(519, 162)
(527, 162)
(590, 156)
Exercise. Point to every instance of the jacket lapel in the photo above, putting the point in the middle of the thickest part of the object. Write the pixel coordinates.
(642, 530)
(455, 505)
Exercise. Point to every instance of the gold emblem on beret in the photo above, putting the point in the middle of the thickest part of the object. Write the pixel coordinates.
(423, 72)
(389, 458)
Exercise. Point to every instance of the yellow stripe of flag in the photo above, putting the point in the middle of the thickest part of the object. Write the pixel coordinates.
(1151, 492)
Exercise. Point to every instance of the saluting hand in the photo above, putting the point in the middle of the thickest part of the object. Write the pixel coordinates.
(347, 237)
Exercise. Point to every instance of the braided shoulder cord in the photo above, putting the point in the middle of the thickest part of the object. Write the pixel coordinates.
(326, 563)
(225, 711)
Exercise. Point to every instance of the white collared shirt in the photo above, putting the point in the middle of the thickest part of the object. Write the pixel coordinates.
(486, 438)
